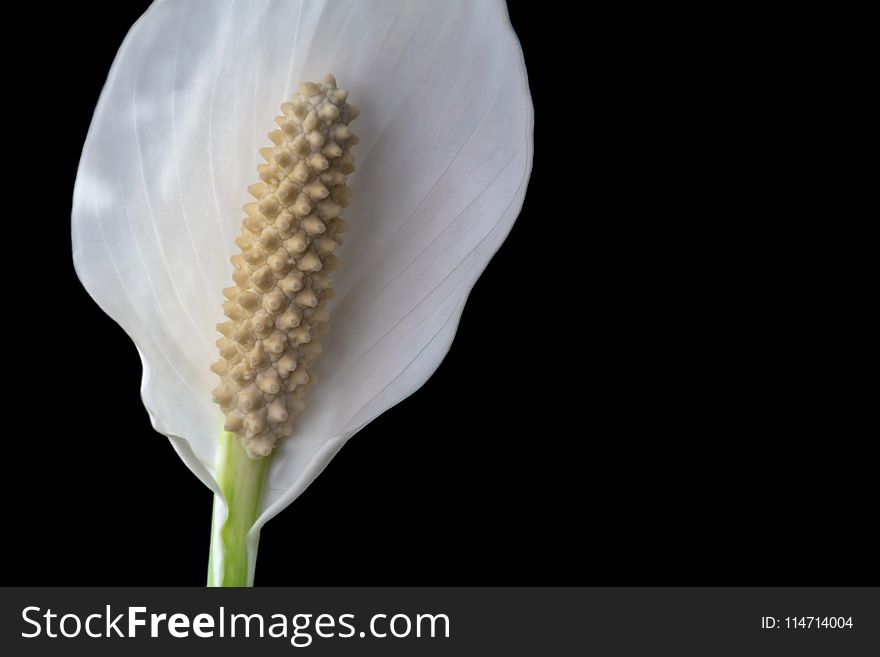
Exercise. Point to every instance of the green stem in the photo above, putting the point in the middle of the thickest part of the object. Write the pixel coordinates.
(241, 480)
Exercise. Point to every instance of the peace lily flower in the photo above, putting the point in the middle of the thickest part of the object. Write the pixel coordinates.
(444, 156)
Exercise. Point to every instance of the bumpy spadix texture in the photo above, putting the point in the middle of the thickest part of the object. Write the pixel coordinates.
(276, 308)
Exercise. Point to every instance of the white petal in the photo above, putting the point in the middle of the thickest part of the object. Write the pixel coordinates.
(445, 154)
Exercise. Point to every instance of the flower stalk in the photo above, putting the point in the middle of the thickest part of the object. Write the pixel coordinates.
(241, 480)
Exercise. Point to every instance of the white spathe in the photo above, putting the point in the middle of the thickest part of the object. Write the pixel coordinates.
(444, 158)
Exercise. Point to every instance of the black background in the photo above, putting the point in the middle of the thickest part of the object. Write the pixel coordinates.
(694, 411)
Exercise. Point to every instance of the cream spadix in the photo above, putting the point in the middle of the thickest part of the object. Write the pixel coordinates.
(276, 308)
